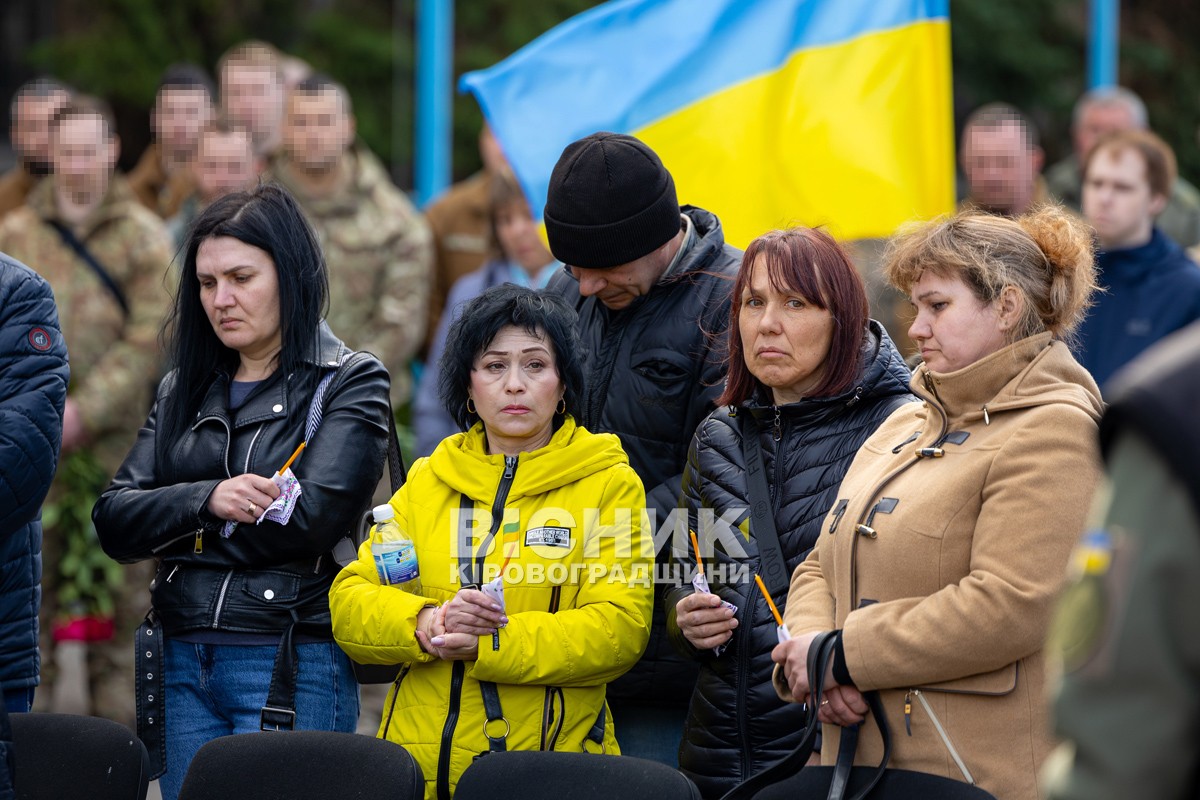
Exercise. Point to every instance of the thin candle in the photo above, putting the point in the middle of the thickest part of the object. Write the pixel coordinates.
(293, 458)
(696, 548)
(762, 587)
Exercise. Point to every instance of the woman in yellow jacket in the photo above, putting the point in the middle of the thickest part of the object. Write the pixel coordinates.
(525, 500)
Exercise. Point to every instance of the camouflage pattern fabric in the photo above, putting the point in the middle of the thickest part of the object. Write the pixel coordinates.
(380, 254)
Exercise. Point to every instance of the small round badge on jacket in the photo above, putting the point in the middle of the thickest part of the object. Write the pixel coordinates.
(40, 340)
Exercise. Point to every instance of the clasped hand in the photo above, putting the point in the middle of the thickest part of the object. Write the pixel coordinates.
(242, 499)
(840, 705)
(451, 632)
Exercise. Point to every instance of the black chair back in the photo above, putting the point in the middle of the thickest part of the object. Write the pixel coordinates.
(65, 755)
(302, 765)
(578, 776)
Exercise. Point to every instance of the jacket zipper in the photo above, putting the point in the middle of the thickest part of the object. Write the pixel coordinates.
(395, 696)
(510, 471)
(937, 724)
(443, 768)
(216, 623)
(456, 679)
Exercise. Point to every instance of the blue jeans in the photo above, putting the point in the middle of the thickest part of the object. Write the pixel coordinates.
(18, 701)
(218, 690)
(651, 732)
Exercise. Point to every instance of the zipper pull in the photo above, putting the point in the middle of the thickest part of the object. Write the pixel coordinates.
(198, 547)
(908, 712)
(510, 467)
(986, 419)
(174, 569)
(777, 434)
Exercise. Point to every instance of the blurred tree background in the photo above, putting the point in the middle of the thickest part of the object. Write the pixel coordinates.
(1031, 53)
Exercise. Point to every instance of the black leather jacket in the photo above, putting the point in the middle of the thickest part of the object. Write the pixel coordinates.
(736, 724)
(263, 576)
(653, 372)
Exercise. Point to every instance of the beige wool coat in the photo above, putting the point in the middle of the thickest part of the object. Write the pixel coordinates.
(943, 556)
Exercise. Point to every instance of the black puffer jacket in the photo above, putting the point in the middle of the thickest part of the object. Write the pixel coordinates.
(737, 725)
(253, 580)
(654, 371)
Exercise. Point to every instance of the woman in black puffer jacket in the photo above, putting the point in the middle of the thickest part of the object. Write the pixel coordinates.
(812, 377)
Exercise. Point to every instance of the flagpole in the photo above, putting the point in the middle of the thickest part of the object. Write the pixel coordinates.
(1104, 43)
(435, 67)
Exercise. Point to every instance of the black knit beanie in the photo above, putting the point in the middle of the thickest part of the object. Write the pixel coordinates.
(611, 201)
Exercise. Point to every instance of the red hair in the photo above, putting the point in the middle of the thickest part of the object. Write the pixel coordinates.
(808, 262)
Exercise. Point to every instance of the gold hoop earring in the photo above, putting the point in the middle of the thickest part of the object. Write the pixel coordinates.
(470, 407)
(562, 406)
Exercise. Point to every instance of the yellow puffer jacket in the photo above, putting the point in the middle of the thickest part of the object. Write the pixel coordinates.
(577, 593)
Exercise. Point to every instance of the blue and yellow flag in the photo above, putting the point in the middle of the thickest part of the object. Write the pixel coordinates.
(767, 112)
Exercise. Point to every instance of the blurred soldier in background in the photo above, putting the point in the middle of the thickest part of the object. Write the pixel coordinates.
(376, 244)
(224, 163)
(183, 105)
(252, 92)
(1112, 109)
(105, 256)
(33, 106)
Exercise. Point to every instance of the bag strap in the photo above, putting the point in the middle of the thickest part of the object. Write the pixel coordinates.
(762, 523)
(71, 241)
(794, 761)
(150, 691)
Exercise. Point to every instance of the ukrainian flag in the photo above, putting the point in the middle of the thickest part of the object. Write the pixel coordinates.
(767, 112)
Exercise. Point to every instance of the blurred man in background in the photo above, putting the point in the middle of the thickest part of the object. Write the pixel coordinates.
(225, 162)
(33, 106)
(1002, 161)
(461, 220)
(105, 256)
(377, 245)
(1113, 109)
(252, 93)
(1151, 287)
(183, 105)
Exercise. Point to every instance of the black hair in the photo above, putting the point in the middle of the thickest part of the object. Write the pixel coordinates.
(187, 76)
(267, 218)
(537, 313)
(318, 83)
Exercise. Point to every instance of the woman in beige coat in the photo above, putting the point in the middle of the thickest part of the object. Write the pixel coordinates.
(940, 561)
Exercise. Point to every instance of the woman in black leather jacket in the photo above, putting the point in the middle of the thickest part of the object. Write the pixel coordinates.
(811, 377)
(242, 601)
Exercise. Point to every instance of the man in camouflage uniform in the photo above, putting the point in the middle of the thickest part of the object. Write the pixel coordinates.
(1127, 628)
(224, 163)
(183, 105)
(33, 106)
(376, 244)
(110, 324)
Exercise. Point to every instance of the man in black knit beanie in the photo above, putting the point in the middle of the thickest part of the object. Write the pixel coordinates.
(651, 283)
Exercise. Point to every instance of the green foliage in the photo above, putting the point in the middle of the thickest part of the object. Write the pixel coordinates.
(87, 578)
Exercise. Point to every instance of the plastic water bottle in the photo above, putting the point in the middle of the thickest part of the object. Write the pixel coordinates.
(394, 553)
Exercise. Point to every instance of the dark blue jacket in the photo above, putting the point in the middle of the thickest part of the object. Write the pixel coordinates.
(33, 392)
(1151, 291)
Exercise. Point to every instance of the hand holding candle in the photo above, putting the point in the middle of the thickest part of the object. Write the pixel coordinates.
(781, 631)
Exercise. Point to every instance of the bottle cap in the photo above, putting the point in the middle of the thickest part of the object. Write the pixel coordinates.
(383, 513)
